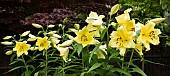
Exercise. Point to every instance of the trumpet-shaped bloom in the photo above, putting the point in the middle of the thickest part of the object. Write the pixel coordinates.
(94, 19)
(85, 37)
(21, 47)
(124, 20)
(149, 35)
(42, 43)
(122, 39)
(64, 51)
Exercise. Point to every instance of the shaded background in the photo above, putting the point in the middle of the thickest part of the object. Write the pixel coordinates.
(17, 15)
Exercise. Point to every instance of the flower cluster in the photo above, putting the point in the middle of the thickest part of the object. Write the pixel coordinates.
(126, 34)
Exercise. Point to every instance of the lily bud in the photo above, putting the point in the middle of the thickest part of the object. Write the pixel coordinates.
(7, 43)
(69, 36)
(51, 32)
(30, 35)
(33, 48)
(36, 25)
(51, 26)
(66, 43)
(77, 26)
(114, 9)
(157, 20)
(9, 52)
(25, 33)
(56, 35)
(7, 37)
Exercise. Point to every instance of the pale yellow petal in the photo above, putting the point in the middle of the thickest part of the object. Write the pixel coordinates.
(122, 51)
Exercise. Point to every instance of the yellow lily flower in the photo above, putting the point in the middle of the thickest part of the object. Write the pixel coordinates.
(42, 43)
(94, 19)
(21, 47)
(122, 39)
(124, 20)
(149, 35)
(64, 51)
(85, 37)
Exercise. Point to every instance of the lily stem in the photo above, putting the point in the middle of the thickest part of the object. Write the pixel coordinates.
(130, 61)
(24, 63)
(46, 63)
(63, 69)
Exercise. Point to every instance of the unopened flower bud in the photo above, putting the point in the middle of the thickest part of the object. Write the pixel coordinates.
(25, 33)
(9, 52)
(56, 35)
(66, 43)
(7, 43)
(77, 26)
(114, 9)
(50, 26)
(157, 20)
(7, 37)
(36, 25)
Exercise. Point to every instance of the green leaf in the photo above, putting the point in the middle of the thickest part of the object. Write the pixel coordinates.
(153, 62)
(15, 68)
(36, 74)
(79, 48)
(69, 67)
(114, 54)
(12, 57)
(82, 74)
(103, 33)
(139, 71)
(95, 49)
(28, 73)
(96, 65)
(13, 62)
(32, 67)
(121, 71)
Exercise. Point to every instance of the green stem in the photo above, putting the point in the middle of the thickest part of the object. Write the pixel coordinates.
(122, 66)
(130, 61)
(63, 67)
(108, 22)
(46, 63)
(24, 63)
